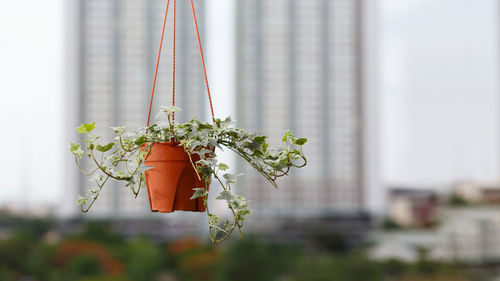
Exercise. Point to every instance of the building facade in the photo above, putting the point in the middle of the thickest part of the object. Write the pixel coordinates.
(301, 67)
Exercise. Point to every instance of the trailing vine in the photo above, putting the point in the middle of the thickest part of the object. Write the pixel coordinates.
(124, 160)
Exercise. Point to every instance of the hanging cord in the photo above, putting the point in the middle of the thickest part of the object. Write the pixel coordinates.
(157, 62)
(173, 65)
(202, 60)
(173, 61)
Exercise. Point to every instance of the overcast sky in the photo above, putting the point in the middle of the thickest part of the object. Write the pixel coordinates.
(439, 92)
(31, 48)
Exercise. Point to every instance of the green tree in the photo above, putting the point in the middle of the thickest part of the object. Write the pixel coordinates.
(84, 265)
(143, 259)
(352, 267)
(107, 278)
(15, 251)
(100, 231)
(255, 260)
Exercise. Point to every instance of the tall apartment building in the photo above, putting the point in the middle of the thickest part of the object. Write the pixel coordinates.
(112, 48)
(301, 67)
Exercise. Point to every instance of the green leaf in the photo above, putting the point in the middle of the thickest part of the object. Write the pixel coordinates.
(231, 178)
(117, 130)
(198, 192)
(259, 139)
(223, 167)
(140, 141)
(206, 170)
(130, 183)
(204, 126)
(265, 146)
(287, 134)
(212, 220)
(86, 128)
(92, 192)
(142, 154)
(225, 195)
(300, 141)
(104, 148)
(227, 226)
(173, 109)
(244, 212)
(169, 109)
(81, 200)
(257, 154)
(74, 146)
(76, 149)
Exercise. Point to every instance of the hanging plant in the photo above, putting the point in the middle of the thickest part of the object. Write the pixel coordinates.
(177, 162)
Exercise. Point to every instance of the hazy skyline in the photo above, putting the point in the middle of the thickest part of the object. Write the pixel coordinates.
(438, 91)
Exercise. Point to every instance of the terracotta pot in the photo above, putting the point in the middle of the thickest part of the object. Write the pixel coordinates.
(170, 183)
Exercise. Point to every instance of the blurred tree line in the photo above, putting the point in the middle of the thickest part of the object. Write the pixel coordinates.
(30, 250)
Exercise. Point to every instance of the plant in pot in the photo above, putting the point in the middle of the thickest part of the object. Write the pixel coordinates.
(177, 162)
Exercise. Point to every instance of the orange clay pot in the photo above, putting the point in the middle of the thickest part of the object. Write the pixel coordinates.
(170, 183)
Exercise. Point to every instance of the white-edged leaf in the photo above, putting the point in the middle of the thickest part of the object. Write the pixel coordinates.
(198, 192)
(86, 128)
(225, 195)
(76, 149)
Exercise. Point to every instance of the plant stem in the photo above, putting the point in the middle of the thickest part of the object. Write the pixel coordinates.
(85, 210)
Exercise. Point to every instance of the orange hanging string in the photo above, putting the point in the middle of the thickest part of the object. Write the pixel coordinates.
(173, 61)
(157, 62)
(202, 59)
(173, 65)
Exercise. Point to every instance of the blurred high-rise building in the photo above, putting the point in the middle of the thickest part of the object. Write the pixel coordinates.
(112, 48)
(301, 67)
